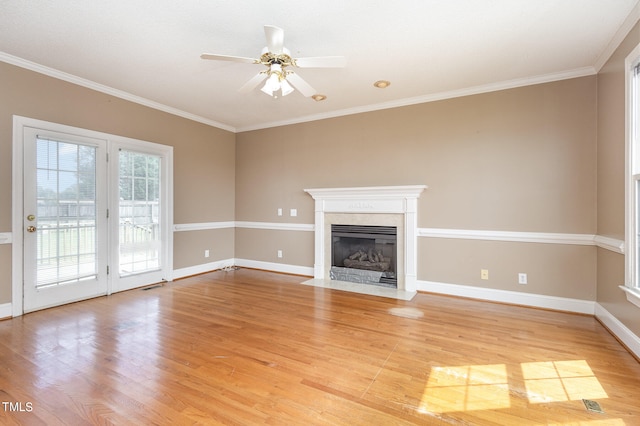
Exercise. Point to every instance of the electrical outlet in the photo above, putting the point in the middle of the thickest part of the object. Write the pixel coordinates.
(279, 211)
(280, 253)
(522, 278)
(206, 253)
(484, 274)
(293, 212)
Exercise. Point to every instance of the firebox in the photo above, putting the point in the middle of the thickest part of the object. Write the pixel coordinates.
(364, 254)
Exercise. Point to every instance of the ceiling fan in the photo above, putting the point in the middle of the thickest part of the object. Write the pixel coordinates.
(277, 58)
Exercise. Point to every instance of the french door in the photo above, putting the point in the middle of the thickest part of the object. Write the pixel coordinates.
(96, 214)
(138, 218)
(65, 223)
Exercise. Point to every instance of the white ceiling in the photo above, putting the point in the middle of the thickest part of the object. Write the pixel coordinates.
(149, 50)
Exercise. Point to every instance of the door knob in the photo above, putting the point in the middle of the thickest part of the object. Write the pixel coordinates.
(31, 228)
(31, 218)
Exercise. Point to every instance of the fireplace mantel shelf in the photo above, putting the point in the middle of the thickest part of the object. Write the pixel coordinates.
(404, 191)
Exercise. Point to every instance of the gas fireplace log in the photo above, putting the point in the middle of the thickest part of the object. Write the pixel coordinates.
(368, 256)
(367, 265)
(354, 255)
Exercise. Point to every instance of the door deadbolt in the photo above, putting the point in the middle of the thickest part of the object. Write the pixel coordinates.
(31, 218)
(31, 228)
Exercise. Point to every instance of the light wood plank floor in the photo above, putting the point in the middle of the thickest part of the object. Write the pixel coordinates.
(252, 347)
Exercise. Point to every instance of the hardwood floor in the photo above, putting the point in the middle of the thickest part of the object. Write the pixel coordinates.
(252, 347)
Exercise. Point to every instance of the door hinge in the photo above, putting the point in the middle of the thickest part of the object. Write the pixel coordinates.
(107, 213)
(107, 269)
(107, 157)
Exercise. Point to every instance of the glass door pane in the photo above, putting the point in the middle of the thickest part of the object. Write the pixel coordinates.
(140, 240)
(66, 213)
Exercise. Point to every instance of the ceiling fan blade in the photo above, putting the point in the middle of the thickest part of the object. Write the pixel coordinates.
(304, 87)
(322, 62)
(275, 38)
(251, 84)
(227, 58)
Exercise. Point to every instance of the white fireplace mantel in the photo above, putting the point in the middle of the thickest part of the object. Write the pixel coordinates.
(369, 200)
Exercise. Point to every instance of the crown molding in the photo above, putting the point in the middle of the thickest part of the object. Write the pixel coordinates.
(623, 31)
(70, 78)
(475, 90)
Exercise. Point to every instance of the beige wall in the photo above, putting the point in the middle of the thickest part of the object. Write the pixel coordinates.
(262, 245)
(611, 169)
(189, 246)
(515, 160)
(204, 156)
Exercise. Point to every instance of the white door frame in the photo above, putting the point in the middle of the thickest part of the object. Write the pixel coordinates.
(17, 200)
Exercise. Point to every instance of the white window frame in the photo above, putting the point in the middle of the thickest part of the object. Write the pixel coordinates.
(632, 176)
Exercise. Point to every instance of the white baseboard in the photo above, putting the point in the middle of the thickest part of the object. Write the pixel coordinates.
(243, 263)
(276, 267)
(6, 310)
(626, 336)
(201, 269)
(512, 297)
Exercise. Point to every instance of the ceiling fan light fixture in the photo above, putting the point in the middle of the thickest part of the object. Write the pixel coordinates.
(285, 87)
(272, 85)
(318, 97)
(276, 82)
(382, 84)
(266, 90)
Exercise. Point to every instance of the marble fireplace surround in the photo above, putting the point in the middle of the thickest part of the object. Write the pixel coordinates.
(377, 205)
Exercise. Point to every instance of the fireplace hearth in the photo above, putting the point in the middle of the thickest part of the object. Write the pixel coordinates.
(364, 254)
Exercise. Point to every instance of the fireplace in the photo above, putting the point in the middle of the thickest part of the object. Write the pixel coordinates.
(364, 254)
(381, 206)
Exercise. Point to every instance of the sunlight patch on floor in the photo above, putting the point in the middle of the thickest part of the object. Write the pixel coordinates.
(554, 381)
(486, 387)
(466, 388)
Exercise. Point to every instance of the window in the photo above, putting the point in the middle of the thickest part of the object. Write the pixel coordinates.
(632, 257)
